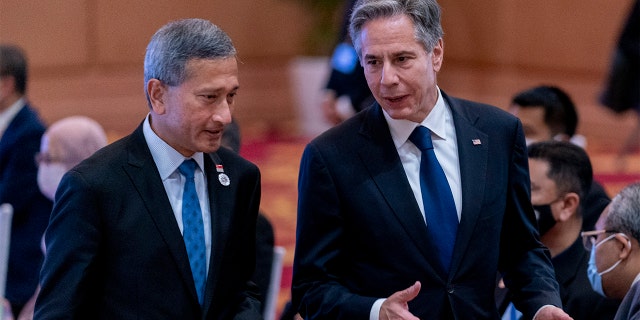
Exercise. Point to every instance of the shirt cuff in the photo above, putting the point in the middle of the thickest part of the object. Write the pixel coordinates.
(535, 316)
(375, 309)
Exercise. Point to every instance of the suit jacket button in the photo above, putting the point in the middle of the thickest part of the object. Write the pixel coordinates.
(450, 289)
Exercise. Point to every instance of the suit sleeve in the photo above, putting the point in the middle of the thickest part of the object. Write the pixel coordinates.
(69, 273)
(524, 260)
(319, 236)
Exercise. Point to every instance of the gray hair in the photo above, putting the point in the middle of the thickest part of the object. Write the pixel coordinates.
(624, 211)
(178, 42)
(425, 15)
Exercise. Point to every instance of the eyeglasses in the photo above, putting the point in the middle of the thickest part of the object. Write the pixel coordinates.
(590, 238)
(43, 157)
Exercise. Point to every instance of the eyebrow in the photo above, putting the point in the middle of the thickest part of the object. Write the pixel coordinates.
(397, 54)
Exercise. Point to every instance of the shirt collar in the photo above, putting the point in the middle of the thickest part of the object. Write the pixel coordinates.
(8, 114)
(436, 122)
(167, 159)
(636, 280)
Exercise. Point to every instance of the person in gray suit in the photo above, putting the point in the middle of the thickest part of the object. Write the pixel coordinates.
(122, 242)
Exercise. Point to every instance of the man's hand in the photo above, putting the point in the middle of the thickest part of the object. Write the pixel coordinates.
(551, 313)
(396, 307)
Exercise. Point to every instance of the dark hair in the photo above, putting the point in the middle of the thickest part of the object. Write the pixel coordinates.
(559, 111)
(569, 165)
(13, 63)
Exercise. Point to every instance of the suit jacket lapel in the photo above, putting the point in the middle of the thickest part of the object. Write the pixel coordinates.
(473, 156)
(146, 179)
(380, 158)
(220, 200)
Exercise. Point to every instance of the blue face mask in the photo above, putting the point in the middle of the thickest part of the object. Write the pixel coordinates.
(595, 277)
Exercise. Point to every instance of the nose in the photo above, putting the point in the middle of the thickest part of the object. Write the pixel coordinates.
(222, 113)
(389, 75)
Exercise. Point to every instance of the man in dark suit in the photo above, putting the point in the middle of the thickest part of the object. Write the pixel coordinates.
(561, 176)
(363, 249)
(122, 242)
(20, 133)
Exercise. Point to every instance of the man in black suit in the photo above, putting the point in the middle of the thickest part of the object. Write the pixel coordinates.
(363, 249)
(561, 176)
(20, 133)
(115, 247)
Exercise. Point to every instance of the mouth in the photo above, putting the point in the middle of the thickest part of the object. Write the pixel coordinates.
(395, 99)
(214, 133)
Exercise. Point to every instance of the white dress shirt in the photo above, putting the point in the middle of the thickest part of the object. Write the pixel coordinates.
(8, 114)
(167, 161)
(445, 146)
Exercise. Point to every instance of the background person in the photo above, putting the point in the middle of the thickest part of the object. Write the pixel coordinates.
(161, 224)
(20, 132)
(548, 113)
(561, 175)
(621, 91)
(346, 78)
(614, 267)
(363, 249)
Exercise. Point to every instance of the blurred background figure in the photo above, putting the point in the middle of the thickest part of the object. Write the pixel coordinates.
(65, 143)
(346, 78)
(614, 267)
(548, 113)
(622, 90)
(20, 132)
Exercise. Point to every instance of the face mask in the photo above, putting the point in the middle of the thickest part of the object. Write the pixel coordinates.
(595, 277)
(49, 176)
(545, 218)
(528, 141)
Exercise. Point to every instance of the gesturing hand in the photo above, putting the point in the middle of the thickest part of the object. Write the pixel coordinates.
(396, 307)
(552, 313)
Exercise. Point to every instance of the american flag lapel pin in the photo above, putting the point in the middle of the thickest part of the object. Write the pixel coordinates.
(476, 142)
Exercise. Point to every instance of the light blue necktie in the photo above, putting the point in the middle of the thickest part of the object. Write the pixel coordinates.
(193, 228)
(439, 208)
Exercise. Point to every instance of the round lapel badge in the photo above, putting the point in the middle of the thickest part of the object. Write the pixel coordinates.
(224, 179)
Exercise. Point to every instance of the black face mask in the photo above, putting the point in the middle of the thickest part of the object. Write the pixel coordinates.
(545, 218)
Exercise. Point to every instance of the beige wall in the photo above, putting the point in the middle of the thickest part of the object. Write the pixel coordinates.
(86, 55)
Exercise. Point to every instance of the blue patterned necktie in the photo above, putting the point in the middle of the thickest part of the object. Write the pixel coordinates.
(439, 208)
(193, 228)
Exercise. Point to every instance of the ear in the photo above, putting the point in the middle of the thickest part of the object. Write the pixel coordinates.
(625, 245)
(156, 90)
(437, 55)
(570, 203)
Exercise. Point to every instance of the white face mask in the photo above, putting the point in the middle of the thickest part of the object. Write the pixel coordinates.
(49, 176)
